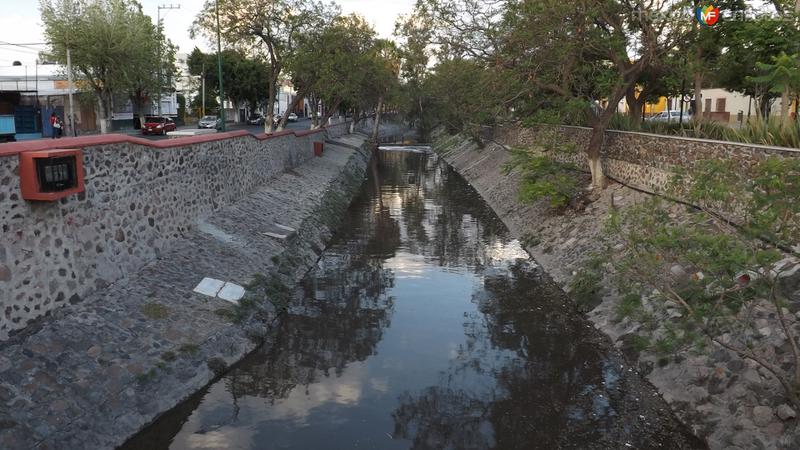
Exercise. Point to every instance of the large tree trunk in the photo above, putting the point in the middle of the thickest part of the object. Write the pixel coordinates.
(329, 112)
(355, 120)
(273, 93)
(296, 101)
(698, 95)
(376, 127)
(635, 104)
(593, 152)
(600, 121)
(314, 109)
(785, 106)
(138, 107)
(103, 110)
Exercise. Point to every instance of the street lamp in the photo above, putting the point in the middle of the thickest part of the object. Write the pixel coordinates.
(160, 7)
(219, 69)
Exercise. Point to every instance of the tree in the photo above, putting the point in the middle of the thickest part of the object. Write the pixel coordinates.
(267, 27)
(591, 51)
(715, 280)
(344, 72)
(112, 45)
(747, 43)
(147, 79)
(242, 76)
(782, 76)
(414, 31)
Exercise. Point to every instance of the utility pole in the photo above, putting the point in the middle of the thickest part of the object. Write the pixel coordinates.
(219, 69)
(161, 36)
(69, 92)
(203, 106)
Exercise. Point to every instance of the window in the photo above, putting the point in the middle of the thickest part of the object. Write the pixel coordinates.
(708, 105)
(721, 105)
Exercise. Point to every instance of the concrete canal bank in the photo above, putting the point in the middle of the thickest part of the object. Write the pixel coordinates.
(150, 260)
(728, 402)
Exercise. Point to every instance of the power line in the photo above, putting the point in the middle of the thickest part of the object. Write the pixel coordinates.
(24, 45)
(18, 50)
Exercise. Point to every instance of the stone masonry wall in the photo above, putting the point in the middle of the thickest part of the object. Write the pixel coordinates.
(647, 161)
(140, 196)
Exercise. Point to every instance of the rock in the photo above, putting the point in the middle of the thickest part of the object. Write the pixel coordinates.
(716, 385)
(721, 355)
(94, 351)
(751, 376)
(674, 313)
(766, 331)
(677, 270)
(762, 415)
(736, 365)
(785, 412)
(775, 430)
(5, 273)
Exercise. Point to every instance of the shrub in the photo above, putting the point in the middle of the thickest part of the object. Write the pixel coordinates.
(549, 180)
(586, 285)
(724, 271)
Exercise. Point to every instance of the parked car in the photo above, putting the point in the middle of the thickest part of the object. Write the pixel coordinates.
(292, 117)
(256, 119)
(670, 116)
(210, 122)
(158, 125)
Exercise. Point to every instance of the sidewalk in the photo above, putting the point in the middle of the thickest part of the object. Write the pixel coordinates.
(93, 375)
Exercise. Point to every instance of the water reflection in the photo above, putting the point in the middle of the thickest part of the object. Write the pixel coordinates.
(424, 326)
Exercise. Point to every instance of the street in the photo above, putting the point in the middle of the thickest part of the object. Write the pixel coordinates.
(301, 124)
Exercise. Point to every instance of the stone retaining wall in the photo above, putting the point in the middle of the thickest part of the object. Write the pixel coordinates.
(140, 196)
(647, 161)
(729, 402)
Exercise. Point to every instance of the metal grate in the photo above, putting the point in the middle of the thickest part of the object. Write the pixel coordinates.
(56, 174)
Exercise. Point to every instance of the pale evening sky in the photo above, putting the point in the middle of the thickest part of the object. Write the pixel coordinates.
(20, 23)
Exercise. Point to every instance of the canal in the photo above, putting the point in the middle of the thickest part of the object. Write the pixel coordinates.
(425, 325)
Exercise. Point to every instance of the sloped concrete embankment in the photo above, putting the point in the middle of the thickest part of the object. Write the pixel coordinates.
(725, 400)
(112, 363)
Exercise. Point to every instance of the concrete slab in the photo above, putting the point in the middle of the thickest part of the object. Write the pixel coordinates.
(231, 292)
(209, 287)
(275, 235)
(284, 227)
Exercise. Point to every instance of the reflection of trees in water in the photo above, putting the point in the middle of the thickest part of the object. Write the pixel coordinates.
(340, 320)
(552, 383)
(443, 217)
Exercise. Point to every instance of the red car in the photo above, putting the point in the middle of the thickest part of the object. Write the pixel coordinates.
(158, 125)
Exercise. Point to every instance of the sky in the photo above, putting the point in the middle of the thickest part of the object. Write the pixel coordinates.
(20, 23)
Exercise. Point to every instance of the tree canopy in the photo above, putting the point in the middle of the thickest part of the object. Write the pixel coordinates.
(114, 47)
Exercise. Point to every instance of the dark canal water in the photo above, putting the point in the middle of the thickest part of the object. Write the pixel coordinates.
(425, 326)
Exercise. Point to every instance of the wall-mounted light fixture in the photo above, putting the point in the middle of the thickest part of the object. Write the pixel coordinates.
(49, 175)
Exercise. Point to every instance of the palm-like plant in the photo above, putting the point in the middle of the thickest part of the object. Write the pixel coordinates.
(783, 77)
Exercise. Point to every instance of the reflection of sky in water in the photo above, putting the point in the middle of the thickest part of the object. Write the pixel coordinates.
(423, 325)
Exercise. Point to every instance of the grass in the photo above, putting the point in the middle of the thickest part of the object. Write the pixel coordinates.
(628, 306)
(146, 377)
(586, 286)
(189, 348)
(155, 311)
(772, 132)
(227, 314)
